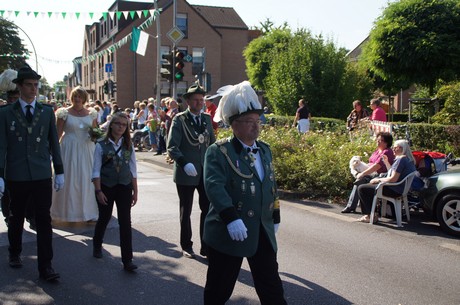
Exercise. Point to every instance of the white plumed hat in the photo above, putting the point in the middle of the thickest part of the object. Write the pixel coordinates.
(6, 80)
(236, 101)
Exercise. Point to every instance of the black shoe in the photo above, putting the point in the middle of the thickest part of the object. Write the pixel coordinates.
(15, 261)
(203, 252)
(97, 252)
(49, 275)
(188, 253)
(347, 210)
(158, 153)
(129, 266)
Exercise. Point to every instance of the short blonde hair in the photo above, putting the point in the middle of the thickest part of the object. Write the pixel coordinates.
(79, 90)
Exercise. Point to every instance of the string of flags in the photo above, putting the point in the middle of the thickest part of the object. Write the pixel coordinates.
(77, 15)
(110, 49)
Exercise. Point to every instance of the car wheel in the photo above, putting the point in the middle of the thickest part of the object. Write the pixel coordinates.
(448, 214)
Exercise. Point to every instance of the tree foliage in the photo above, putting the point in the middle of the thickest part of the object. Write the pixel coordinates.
(450, 114)
(415, 41)
(289, 66)
(259, 53)
(11, 47)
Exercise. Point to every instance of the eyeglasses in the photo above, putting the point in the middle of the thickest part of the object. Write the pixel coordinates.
(249, 122)
(396, 147)
(119, 124)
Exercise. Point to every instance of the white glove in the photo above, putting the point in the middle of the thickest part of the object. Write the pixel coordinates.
(190, 169)
(276, 226)
(58, 182)
(2, 187)
(237, 230)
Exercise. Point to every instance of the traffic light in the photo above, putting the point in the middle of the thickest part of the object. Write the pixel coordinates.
(106, 87)
(167, 66)
(179, 66)
(112, 86)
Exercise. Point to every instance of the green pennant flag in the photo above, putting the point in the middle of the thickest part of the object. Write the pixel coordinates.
(91, 15)
(132, 13)
(63, 14)
(2, 12)
(16, 13)
(35, 14)
(50, 14)
(145, 12)
(104, 14)
(119, 15)
(77, 14)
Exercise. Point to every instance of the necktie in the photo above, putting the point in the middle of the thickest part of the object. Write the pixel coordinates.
(197, 120)
(254, 150)
(29, 113)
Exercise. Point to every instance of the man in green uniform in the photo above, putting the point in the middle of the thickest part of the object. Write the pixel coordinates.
(244, 211)
(189, 136)
(28, 138)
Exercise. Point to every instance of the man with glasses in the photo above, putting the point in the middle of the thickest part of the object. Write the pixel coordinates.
(244, 214)
(189, 136)
(28, 136)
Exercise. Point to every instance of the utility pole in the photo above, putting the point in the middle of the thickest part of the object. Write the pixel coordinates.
(158, 93)
(173, 83)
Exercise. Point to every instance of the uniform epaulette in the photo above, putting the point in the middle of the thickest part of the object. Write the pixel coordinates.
(47, 105)
(3, 106)
(181, 113)
(222, 141)
(208, 114)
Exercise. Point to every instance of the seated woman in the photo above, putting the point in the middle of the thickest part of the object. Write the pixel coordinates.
(376, 166)
(356, 115)
(404, 165)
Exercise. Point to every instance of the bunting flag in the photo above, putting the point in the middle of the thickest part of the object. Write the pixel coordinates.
(91, 15)
(139, 41)
(120, 43)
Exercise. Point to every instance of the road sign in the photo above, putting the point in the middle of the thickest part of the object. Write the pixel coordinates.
(188, 58)
(108, 68)
(175, 35)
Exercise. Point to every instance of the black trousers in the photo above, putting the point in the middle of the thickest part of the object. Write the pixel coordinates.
(185, 193)
(223, 272)
(366, 195)
(122, 196)
(38, 195)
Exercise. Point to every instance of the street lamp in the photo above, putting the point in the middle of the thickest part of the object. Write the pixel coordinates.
(35, 52)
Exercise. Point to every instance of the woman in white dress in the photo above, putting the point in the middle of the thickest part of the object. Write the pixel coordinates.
(76, 202)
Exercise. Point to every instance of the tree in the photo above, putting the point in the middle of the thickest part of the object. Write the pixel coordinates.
(313, 69)
(259, 52)
(12, 51)
(415, 41)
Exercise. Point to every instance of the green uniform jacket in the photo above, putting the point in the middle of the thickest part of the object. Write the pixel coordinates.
(187, 143)
(236, 191)
(26, 149)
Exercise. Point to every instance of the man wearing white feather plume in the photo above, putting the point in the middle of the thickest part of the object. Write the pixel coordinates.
(244, 212)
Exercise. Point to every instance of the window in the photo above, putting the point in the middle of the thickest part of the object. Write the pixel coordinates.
(198, 62)
(182, 23)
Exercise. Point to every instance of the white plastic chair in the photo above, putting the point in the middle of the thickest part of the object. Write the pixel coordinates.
(397, 202)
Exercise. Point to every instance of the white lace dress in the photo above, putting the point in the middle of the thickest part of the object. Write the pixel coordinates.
(76, 202)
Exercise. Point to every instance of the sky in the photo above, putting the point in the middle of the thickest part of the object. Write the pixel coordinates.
(57, 41)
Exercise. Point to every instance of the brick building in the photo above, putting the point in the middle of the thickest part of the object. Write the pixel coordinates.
(215, 37)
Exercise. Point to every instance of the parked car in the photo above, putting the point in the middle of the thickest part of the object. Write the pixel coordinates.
(441, 200)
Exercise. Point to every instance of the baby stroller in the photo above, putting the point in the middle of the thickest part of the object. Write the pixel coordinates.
(427, 164)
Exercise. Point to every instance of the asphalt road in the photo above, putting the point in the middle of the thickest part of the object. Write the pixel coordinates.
(324, 258)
